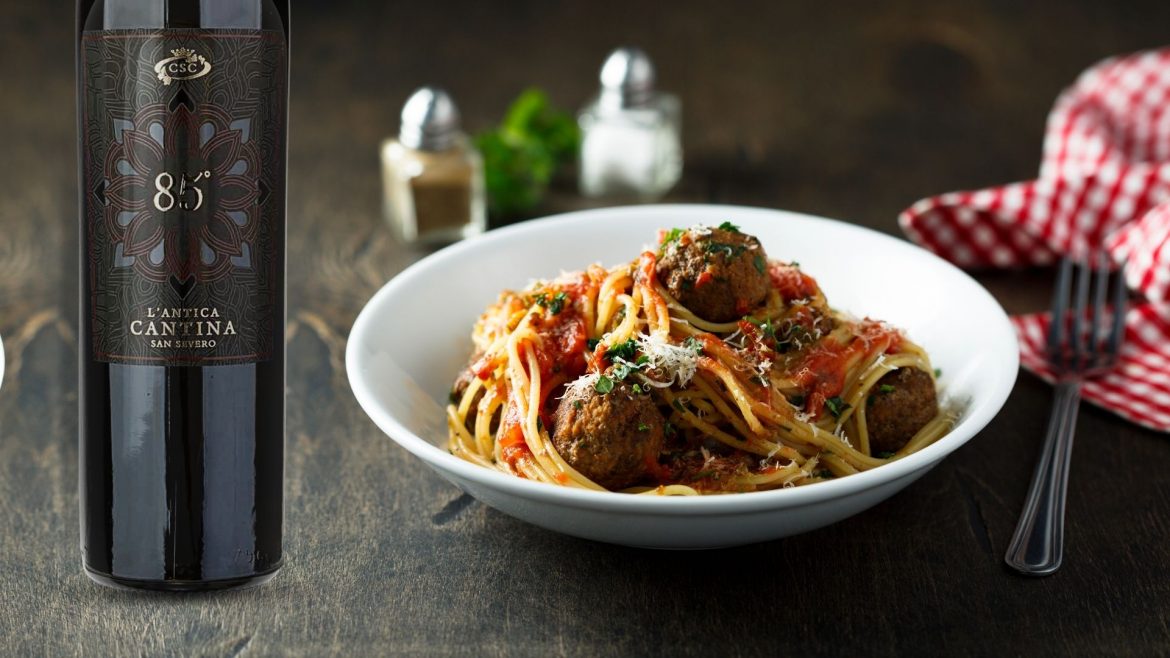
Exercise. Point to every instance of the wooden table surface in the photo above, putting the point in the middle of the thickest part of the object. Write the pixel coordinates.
(840, 109)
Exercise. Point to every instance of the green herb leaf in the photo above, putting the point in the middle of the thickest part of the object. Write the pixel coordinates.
(693, 344)
(836, 406)
(886, 388)
(643, 427)
(577, 404)
(825, 474)
(672, 235)
(728, 226)
(522, 154)
(558, 302)
(728, 250)
(937, 373)
(604, 385)
(638, 390)
(554, 305)
(761, 266)
(591, 343)
(624, 350)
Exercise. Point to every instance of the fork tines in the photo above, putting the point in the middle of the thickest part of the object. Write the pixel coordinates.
(1083, 338)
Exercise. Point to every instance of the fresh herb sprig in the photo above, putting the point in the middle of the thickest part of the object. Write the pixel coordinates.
(524, 152)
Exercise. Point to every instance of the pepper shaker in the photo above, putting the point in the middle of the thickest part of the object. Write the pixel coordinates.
(433, 188)
(630, 132)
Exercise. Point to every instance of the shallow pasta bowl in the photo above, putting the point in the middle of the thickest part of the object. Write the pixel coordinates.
(413, 336)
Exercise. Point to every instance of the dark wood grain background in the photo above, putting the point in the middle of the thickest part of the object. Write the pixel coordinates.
(846, 109)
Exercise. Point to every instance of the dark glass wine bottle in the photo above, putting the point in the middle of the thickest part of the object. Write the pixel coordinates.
(183, 107)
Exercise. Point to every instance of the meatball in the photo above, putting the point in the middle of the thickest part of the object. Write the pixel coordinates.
(903, 401)
(719, 274)
(611, 438)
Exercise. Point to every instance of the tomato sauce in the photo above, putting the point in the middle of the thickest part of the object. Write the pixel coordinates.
(792, 283)
(822, 371)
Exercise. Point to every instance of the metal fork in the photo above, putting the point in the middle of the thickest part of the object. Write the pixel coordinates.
(1075, 352)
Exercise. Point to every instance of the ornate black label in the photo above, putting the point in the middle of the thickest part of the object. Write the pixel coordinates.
(183, 139)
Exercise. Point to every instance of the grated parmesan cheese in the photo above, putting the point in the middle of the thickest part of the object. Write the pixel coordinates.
(581, 386)
(678, 364)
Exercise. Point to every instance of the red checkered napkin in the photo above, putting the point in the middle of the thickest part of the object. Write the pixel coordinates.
(1104, 182)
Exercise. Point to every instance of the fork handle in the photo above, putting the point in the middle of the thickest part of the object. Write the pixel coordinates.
(1038, 542)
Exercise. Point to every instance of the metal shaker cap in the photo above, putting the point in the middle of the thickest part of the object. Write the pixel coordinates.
(627, 79)
(430, 120)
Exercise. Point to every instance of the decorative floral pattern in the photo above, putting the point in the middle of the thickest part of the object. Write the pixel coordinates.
(206, 242)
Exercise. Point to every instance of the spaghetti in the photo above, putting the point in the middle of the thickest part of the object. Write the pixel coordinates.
(605, 379)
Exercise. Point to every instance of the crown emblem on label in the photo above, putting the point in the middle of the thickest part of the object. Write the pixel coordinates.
(185, 53)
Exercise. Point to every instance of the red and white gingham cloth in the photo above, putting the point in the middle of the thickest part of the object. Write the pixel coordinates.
(1104, 181)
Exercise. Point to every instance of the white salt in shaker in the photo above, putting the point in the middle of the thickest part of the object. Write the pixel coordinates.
(630, 141)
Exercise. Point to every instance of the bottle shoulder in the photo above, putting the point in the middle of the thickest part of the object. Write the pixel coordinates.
(184, 14)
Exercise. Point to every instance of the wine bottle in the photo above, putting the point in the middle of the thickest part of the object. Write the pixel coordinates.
(182, 126)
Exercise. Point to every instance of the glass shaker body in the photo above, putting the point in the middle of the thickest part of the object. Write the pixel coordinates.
(630, 151)
(433, 197)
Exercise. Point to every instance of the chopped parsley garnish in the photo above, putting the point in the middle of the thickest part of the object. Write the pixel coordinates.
(638, 389)
(937, 373)
(787, 336)
(694, 344)
(643, 427)
(884, 454)
(642, 360)
(886, 388)
(672, 235)
(669, 428)
(836, 406)
(604, 385)
(728, 226)
(765, 326)
(592, 343)
(825, 474)
(577, 404)
(678, 405)
(555, 304)
(761, 266)
(728, 250)
(624, 350)
(795, 335)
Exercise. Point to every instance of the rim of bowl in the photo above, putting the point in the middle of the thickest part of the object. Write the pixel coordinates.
(983, 408)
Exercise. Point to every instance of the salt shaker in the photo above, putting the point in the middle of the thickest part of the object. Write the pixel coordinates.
(630, 142)
(432, 178)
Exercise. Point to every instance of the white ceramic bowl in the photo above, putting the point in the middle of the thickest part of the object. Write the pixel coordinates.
(412, 338)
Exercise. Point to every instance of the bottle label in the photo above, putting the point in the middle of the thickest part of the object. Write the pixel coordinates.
(183, 198)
